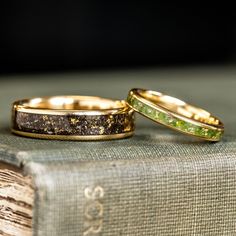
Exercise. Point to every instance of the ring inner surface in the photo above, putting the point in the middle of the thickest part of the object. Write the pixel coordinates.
(179, 107)
(72, 103)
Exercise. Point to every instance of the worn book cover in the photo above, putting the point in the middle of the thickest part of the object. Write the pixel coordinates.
(158, 182)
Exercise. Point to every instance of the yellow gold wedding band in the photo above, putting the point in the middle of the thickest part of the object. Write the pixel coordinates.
(72, 118)
(176, 114)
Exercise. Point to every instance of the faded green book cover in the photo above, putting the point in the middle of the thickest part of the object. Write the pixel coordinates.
(158, 182)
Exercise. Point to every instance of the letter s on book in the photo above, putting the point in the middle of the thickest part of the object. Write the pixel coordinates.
(94, 193)
(93, 212)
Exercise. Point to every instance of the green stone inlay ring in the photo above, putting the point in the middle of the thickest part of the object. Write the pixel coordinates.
(72, 118)
(176, 114)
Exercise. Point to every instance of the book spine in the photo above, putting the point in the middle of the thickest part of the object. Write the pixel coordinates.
(160, 196)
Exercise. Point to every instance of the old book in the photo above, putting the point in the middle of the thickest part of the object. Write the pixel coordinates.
(147, 185)
(158, 182)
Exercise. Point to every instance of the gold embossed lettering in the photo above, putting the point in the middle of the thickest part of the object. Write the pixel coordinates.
(94, 229)
(93, 211)
(94, 193)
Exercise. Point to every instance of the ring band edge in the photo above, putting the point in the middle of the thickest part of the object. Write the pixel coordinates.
(73, 137)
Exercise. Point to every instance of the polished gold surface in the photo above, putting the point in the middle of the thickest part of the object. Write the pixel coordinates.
(72, 118)
(70, 104)
(176, 114)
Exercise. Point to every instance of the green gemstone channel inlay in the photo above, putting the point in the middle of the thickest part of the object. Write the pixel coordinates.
(173, 122)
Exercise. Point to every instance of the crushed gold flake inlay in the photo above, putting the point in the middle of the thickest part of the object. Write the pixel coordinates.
(71, 124)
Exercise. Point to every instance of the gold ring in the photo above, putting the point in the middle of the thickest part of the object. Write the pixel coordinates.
(72, 118)
(176, 114)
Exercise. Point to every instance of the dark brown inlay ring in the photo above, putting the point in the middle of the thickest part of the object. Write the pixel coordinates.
(72, 118)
